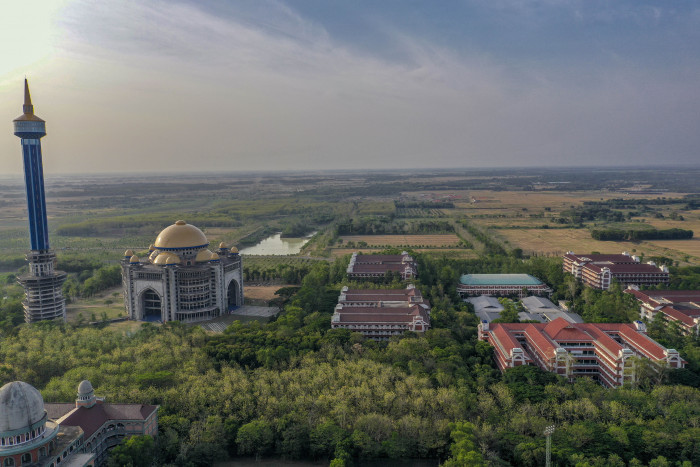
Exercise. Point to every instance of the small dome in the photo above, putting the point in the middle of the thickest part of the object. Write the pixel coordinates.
(203, 255)
(234, 249)
(214, 257)
(172, 260)
(223, 246)
(162, 258)
(85, 388)
(128, 253)
(181, 235)
(21, 406)
(134, 259)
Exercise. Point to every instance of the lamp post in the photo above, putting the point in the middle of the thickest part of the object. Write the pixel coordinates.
(548, 433)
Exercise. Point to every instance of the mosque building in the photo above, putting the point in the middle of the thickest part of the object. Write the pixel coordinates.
(182, 280)
(79, 434)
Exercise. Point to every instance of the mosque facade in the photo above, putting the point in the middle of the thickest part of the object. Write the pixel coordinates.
(182, 279)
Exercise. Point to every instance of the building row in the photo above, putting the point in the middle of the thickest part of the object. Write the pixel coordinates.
(607, 352)
(675, 306)
(77, 434)
(381, 313)
(377, 266)
(598, 271)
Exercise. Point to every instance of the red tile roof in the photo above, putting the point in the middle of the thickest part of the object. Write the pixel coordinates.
(544, 345)
(374, 259)
(505, 340)
(91, 419)
(642, 341)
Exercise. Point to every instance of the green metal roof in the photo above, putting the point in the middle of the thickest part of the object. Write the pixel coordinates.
(499, 279)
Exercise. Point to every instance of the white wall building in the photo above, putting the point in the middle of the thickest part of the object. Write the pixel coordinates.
(182, 280)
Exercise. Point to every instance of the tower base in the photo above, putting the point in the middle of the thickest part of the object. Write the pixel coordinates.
(43, 288)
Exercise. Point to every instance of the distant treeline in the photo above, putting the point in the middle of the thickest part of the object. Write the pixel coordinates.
(385, 226)
(581, 214)
(636, 235)
(424, 204)
(693, 202)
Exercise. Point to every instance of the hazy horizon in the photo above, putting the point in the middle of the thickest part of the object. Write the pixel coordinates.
(170, 87)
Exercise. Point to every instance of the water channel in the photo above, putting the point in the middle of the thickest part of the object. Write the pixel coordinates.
(276, 245)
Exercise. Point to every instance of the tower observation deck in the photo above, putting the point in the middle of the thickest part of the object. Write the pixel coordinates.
(42, 285)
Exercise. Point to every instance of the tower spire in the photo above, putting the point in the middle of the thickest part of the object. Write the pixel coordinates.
(27, 108)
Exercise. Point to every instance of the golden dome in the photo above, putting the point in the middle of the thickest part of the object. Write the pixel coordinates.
(222, 245)
(129, 253)
(154, 254)
(214, 257)
(181, 235)
(203, 255)
(166, 258)
(134, 259)
(234, 249)
(172, 260)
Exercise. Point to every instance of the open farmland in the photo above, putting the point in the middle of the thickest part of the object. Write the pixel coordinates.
(434, 241)
(559, 241)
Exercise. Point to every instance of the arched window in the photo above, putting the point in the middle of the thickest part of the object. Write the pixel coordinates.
(26, 458)
(9, 462)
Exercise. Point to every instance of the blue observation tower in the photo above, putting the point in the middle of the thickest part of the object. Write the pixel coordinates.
(44, 297)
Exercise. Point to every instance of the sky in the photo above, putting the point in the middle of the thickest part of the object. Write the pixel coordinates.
(169, 86)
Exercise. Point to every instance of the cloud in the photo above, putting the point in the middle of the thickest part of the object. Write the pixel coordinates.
(171, 86)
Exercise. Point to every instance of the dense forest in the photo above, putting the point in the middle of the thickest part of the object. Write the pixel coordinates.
(294, 388)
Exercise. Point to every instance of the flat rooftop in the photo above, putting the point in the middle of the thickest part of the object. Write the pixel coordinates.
(499, 279)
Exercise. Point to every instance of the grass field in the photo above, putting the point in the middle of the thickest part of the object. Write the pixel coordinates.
(98, 305)
(438, 240)
(559, 241)
(263, 292)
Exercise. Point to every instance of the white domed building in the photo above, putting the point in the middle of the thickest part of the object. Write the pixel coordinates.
(28, 437)
(182, 280)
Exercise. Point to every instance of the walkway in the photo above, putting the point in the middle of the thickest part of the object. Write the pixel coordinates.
(244, 313)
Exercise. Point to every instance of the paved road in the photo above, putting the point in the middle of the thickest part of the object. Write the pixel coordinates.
(249, 311)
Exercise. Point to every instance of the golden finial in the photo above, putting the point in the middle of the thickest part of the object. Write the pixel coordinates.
(27, 108)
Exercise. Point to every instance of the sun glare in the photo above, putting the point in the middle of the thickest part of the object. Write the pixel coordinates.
(28, 33)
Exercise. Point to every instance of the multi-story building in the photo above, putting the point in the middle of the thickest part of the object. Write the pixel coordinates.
(501, 284)
(597, 271)
(376, 266)
(381, 313)
(678, 306)
(608, 352)
(182, 280)
(42, 284)
(103, 425)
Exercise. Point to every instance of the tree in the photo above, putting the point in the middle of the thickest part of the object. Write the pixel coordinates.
(255, 437)
(137, 451)
(463, 449)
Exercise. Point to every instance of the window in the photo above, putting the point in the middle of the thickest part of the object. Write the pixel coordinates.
(26, 458)
(10, 461)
